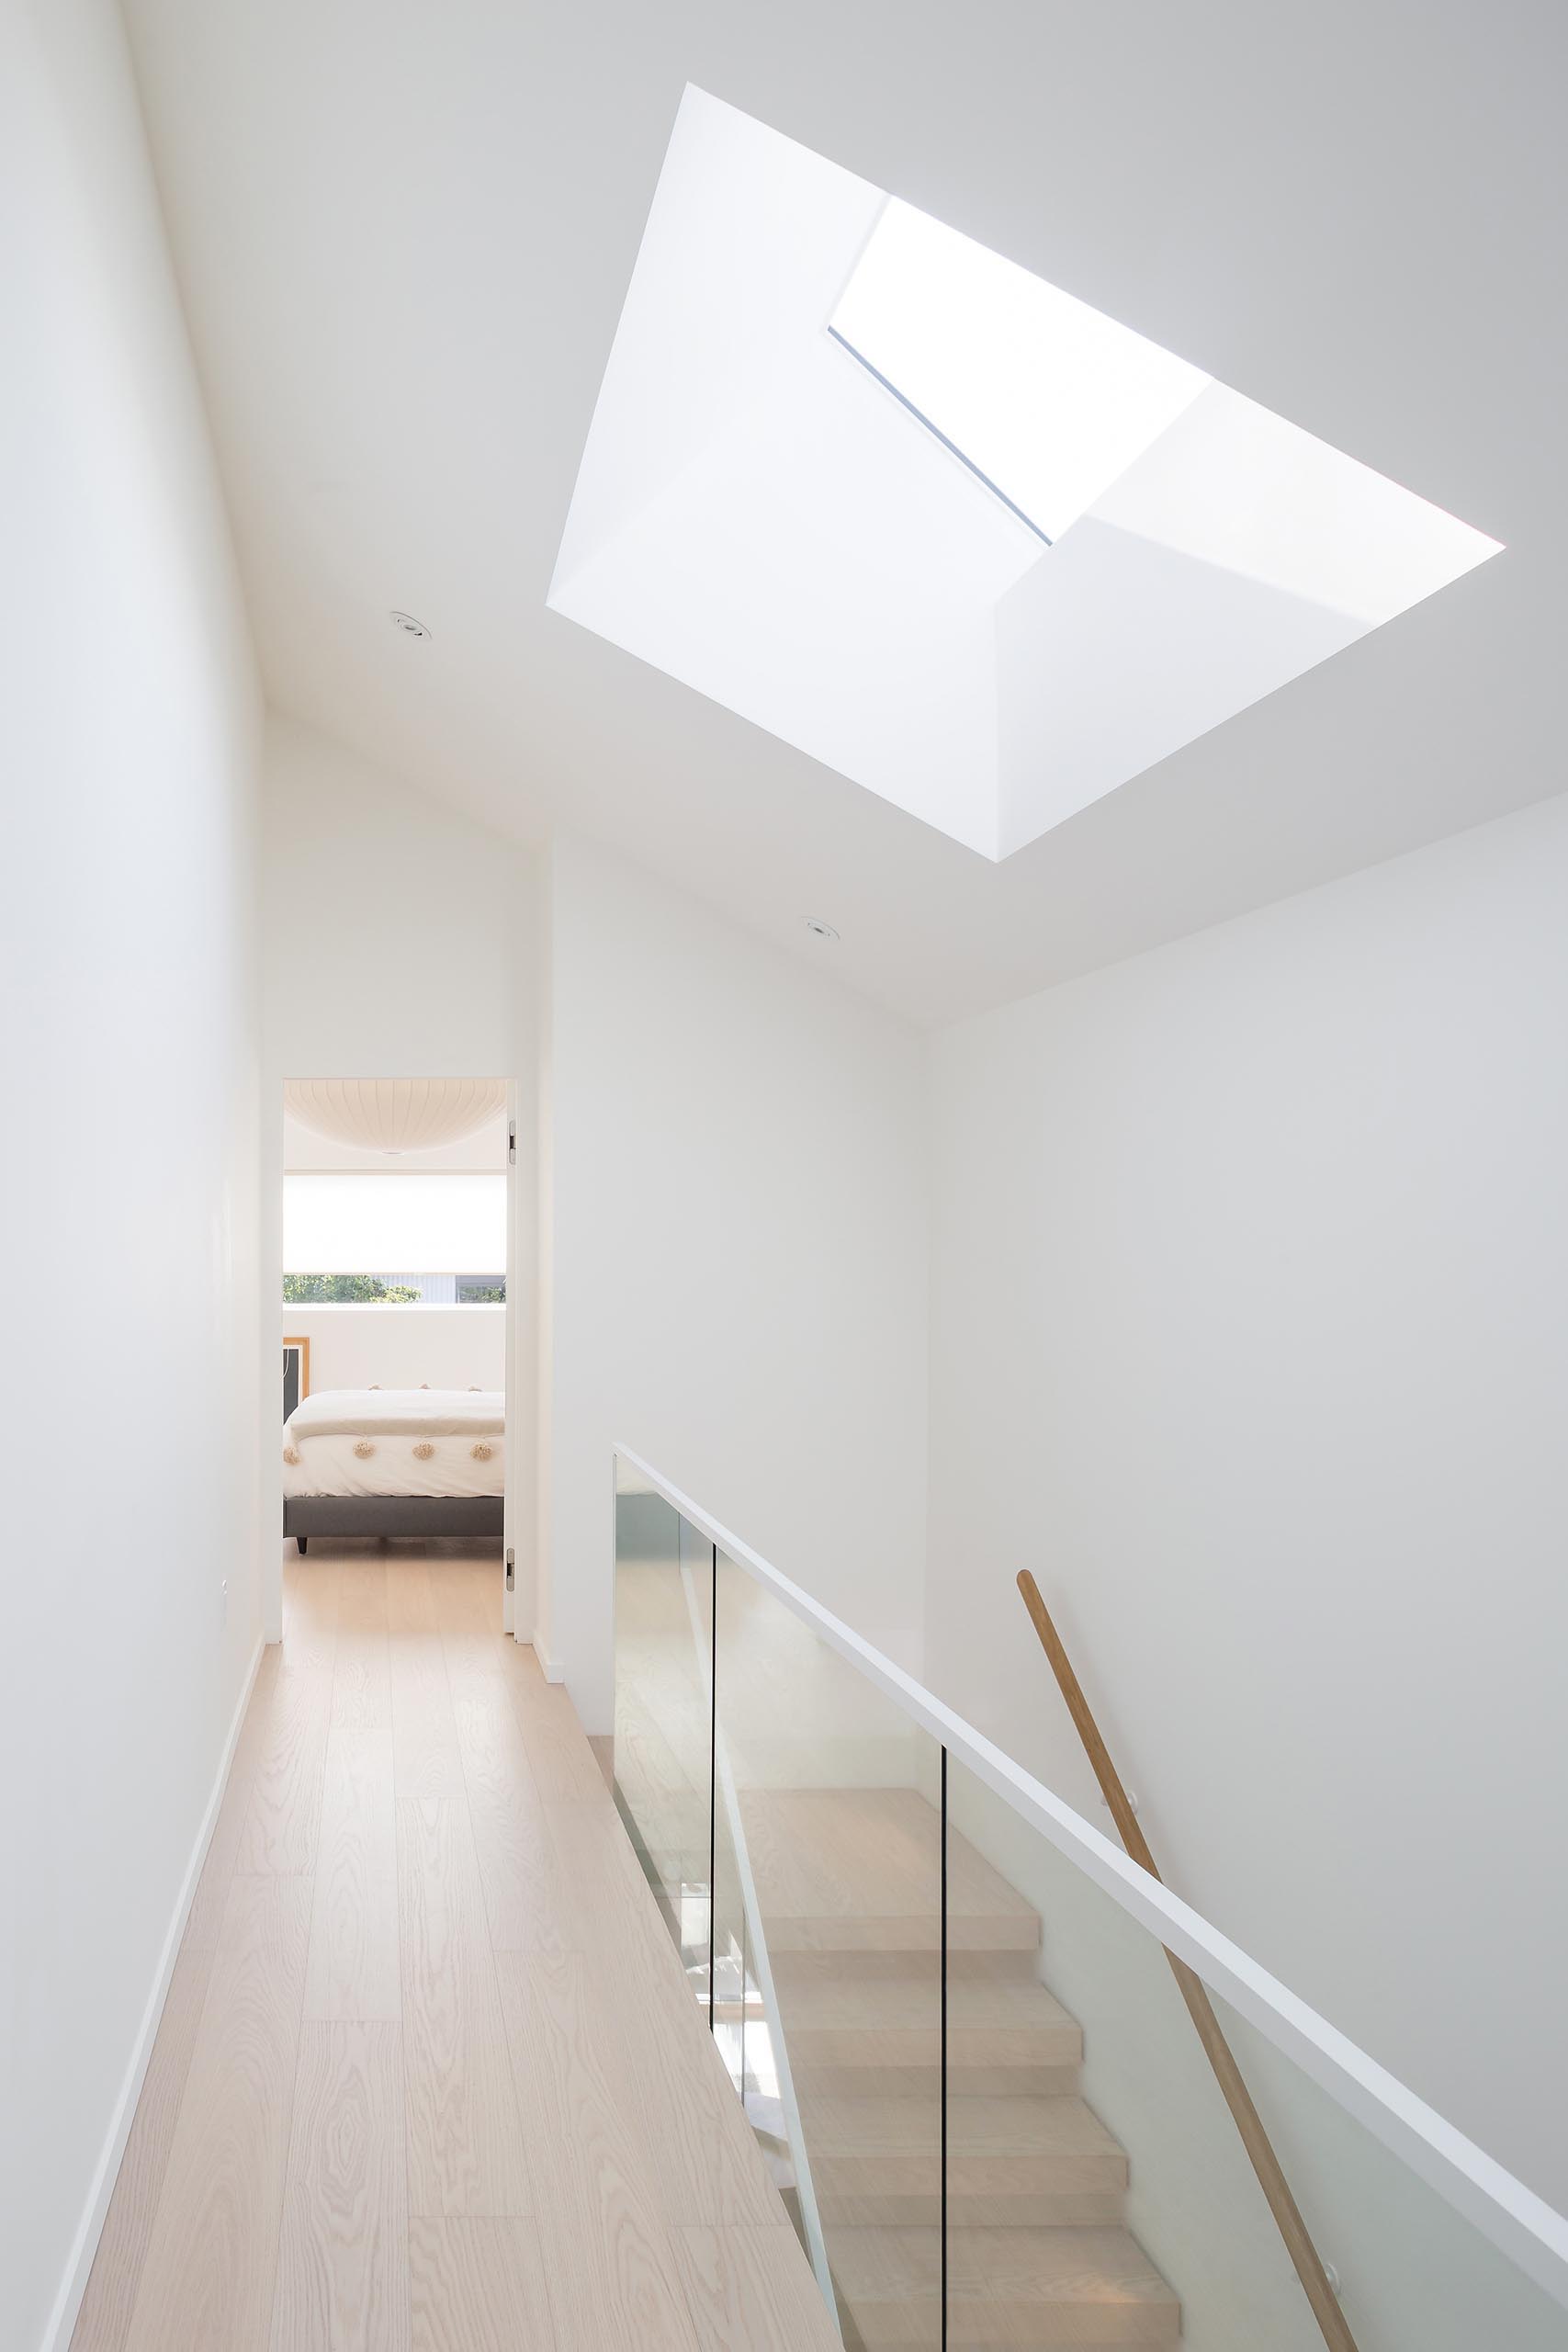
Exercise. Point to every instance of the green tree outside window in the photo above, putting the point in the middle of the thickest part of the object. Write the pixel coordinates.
(344, 1290)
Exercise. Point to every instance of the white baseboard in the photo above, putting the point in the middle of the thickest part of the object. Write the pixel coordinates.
(552, 1672)
(73, 2286)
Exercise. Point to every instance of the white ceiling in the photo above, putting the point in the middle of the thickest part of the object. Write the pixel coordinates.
(405, 235)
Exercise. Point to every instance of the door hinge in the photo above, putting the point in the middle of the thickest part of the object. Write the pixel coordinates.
(511, 1143)
(511, 1571)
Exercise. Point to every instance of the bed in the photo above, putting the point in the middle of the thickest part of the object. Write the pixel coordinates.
(422, 1462)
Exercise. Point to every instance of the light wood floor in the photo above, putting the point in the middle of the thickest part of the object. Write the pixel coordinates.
(429, 2078)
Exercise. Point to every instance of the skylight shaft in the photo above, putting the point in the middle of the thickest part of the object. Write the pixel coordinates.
(939, 525)
(1046, 399)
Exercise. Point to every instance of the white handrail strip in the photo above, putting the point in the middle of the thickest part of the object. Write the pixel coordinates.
(1529, 2232)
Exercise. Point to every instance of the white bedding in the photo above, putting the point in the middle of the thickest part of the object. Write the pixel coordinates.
(396, 1441)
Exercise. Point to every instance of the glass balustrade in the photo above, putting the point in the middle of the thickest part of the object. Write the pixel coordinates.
(663, 1736)
(834, 1823)
(946, 2005)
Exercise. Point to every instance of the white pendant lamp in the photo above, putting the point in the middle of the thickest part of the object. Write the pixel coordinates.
(394, 1114)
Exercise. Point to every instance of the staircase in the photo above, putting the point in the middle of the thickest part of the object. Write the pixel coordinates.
(847, 1883)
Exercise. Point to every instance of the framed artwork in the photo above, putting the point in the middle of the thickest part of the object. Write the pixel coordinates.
(295, 1373)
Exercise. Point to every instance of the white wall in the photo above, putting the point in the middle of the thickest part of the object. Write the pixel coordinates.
(395, 942)
(398, 941)
(129, 727)
(401, 1347)
(737, 1263)
(1250, 1289)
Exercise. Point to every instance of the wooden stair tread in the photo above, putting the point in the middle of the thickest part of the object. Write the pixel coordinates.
(861, 1869)
(869, 2036)
(820, 2012)
(1049, 2265)
(1011, 2163)
(1065, 2128)
(1006, 2287)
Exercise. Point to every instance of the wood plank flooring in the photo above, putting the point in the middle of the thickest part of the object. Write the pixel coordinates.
(429, 2078)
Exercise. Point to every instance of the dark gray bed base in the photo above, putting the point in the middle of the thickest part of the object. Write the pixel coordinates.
(308, 1515)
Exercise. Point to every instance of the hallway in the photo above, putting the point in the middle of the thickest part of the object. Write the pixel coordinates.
(429, 2078)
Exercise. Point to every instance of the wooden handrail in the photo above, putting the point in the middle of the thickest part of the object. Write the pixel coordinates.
(1217, 2050)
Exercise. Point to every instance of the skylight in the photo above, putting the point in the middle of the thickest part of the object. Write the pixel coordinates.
(760, 519)
(1047, 400)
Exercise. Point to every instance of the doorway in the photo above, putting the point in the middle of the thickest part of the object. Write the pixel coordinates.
(396, 1319)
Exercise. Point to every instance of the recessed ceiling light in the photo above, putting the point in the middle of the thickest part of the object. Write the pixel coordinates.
(820, 930)
(406, 623)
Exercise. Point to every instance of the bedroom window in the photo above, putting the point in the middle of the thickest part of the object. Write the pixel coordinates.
(395, 1236)
(394, 1290)
(345, 1290)
(481, 1290)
